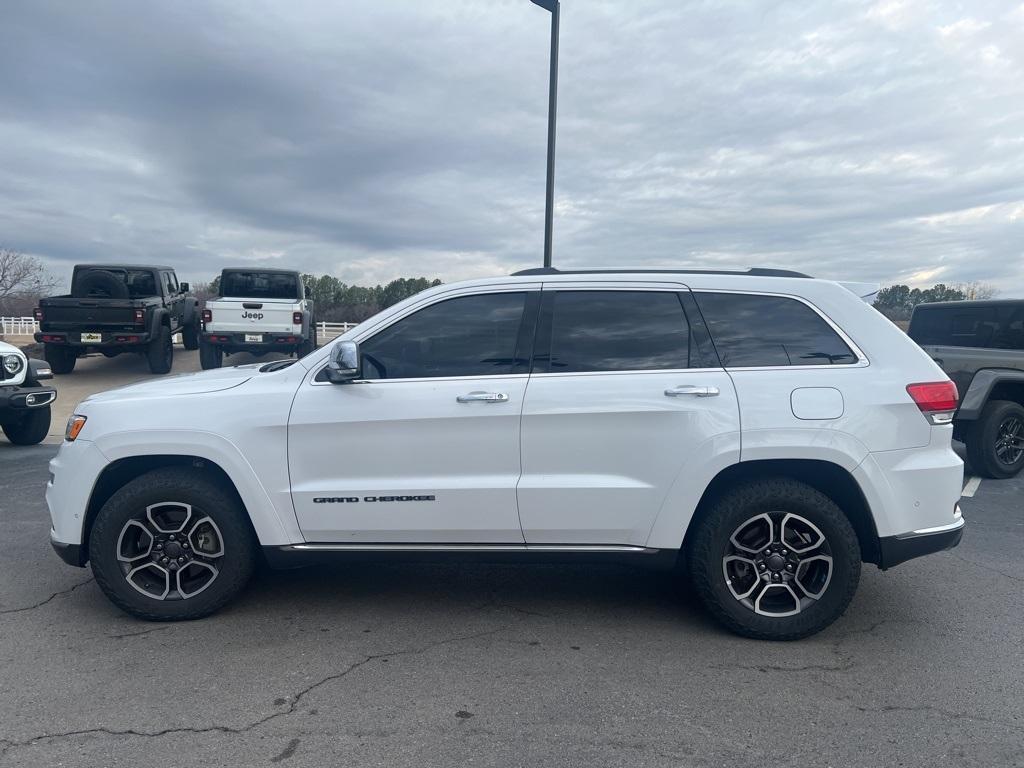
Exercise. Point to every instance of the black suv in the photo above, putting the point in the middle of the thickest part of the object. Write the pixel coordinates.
(115, 308)
(980, 345)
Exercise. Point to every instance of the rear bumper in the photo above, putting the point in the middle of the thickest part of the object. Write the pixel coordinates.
(110, 339)
(898, 549)
(22, 399)
(270, 342)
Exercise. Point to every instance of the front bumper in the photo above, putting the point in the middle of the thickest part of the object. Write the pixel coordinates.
(18, 400)
(894, 550)
(72, 554)
(108, 339)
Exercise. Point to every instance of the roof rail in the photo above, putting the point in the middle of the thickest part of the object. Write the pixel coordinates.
(752, 272)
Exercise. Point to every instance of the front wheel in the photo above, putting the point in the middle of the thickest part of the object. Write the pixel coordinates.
(995, 443)
(172, 545)
(774, 559)
(190, 336)
(30, 428)
(160, 352)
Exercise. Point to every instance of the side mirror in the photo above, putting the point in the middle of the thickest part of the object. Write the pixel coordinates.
(184, 287)
(345, 364)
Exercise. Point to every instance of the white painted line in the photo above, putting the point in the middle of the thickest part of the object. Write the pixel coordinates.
(972, 486)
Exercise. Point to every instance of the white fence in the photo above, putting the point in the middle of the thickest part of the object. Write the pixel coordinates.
(26, 326)
(18, 326)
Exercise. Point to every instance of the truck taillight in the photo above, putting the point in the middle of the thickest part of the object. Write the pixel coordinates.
(37, 313)
(937, 400)
(297, 318)
(207, 315)
(140, 317)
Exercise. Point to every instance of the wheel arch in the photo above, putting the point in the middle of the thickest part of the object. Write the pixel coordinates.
(990, 384)
(829, 478)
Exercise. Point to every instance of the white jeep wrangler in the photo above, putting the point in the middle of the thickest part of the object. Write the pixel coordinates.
(258, 311)
(765, 431)
(24, 402)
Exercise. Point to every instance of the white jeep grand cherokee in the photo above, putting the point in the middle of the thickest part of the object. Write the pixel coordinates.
(768, 431)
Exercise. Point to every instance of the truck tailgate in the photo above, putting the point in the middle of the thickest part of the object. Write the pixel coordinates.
(86, 315)
(252, 315)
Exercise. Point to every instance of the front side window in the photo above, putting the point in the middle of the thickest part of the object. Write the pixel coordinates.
(465, 336)
(750, 330)
(617, 331)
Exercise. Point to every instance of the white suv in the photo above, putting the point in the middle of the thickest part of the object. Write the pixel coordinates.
(765, 431)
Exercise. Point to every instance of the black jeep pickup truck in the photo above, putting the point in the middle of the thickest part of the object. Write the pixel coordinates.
(115, 308)
(980, 346)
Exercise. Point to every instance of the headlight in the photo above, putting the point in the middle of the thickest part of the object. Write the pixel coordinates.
(13, 364)
(75, 424)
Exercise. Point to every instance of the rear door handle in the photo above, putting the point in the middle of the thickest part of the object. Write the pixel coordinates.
(692, 389)
(483, 397)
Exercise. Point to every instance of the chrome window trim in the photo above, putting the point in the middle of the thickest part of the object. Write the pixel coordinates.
(862, 359)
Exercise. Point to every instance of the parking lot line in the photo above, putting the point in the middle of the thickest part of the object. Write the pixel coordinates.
(971, 486)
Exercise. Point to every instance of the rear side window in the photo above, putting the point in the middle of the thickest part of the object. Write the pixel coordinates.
(991, 327)
(617, 331)
(750, 330)
(259, 285)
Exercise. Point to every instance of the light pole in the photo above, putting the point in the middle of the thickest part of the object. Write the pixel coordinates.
(549, 203)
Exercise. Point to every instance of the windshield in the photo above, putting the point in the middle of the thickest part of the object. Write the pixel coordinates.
(259, 285)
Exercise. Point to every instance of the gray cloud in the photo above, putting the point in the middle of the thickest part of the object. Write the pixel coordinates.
(870, 141)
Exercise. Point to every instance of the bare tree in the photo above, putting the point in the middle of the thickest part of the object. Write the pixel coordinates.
(976, 290)
(23, 279)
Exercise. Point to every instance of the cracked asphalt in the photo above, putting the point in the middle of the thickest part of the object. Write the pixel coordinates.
(423, 665)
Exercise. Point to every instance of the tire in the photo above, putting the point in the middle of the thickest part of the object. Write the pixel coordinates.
(61, 359)
(160, 352)
(31, 428)
(711, 555)
(990, 450)
(306, 347)
(167, 496)
(190, 336)
(210, 356)
(100, 282)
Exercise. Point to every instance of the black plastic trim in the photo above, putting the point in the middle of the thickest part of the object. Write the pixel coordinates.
(752, 272)
(894, 550)
(981, 386)
(72, 554)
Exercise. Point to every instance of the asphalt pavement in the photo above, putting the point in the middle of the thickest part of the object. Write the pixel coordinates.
(424, 665)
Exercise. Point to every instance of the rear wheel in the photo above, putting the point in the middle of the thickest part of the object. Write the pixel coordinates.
(160, 352)
(210, 355)
(774, 559)
(30, 428)
(995, 442)
(61, 359)
(171, 545)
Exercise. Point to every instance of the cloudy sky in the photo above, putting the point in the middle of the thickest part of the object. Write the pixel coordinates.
(371, 139)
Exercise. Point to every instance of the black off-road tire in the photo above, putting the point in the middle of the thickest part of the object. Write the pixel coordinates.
(100, 282)
(210, 356)
(190, 336)
(160, 352)
(982, 439)
(61, 359)
(306, 347)
(709, 542)
(30, 428)
(207, 497)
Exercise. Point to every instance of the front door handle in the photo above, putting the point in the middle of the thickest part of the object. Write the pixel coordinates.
(483, 397)
(692, 389)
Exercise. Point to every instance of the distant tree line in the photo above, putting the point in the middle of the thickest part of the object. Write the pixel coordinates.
(897, 301)
(337, 302)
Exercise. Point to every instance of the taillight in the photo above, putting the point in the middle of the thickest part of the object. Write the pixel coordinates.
(37, 313)
(207, 315)
(140, 317)
(297, 318)
(937, 400)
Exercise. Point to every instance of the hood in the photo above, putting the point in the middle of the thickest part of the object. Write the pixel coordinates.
(9, 349)
(182, 384)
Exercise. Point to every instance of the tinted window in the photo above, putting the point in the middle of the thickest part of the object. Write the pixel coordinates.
(259, 285)
(467, 336)
(992, 327)
(770, 330)
(617, 331)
